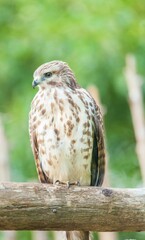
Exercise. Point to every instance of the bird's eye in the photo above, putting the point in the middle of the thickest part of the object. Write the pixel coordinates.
(48, 74)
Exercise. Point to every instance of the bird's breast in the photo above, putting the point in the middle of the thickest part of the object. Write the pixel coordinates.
(65, 135)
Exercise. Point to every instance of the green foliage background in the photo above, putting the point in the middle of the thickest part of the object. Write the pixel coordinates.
(93, 37)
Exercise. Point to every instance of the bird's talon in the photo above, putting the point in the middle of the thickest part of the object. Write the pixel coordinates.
(78, 183)
(68, 184)
(57, 182)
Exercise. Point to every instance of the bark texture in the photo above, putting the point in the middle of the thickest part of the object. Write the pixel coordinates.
(35, 206)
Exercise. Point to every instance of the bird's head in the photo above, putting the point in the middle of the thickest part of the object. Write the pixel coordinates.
(55, 73)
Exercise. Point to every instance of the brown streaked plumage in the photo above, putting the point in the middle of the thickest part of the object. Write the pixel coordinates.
(66, 131)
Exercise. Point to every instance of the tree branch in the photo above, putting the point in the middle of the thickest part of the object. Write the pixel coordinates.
(34, 206)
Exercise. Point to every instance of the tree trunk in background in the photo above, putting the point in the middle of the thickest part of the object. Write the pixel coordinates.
(5, 171)
(4, 155)
(93, 90)
(39, 235)
(137, 109)
(60, 235)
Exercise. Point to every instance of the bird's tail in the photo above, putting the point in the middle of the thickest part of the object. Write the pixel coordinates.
(77, 235)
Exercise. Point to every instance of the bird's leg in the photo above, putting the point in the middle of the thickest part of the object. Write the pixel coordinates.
(67, 183)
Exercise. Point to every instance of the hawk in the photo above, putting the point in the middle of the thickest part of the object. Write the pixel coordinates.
(66, 131)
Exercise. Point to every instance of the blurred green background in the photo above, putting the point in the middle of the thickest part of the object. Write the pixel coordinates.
(93, 37)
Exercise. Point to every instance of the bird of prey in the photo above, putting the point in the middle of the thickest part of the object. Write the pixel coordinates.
(66, 131)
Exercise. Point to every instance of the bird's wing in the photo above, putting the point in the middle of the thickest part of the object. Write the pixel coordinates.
(35, 149)
(98, 154)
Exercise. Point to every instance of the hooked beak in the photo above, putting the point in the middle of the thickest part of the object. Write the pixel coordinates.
(35, 83)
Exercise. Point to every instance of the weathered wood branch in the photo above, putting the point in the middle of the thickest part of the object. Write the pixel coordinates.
(34, 206)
